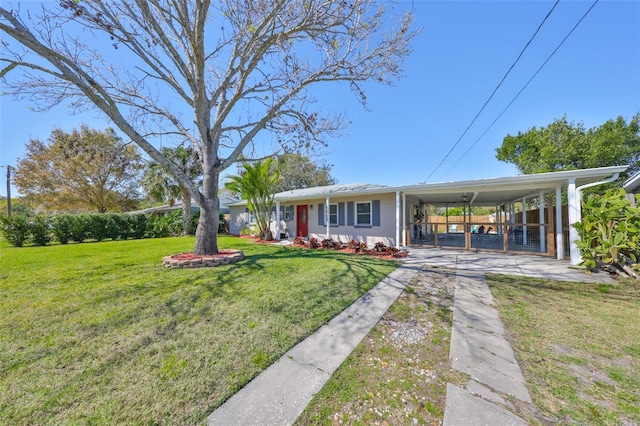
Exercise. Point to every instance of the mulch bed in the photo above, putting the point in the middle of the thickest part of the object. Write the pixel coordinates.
(369, 252)
(192, 260)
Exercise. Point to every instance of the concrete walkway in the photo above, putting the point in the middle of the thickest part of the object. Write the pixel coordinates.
(478, 347)
(281, 392)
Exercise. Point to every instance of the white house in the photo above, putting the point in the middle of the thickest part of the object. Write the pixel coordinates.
(399, 216)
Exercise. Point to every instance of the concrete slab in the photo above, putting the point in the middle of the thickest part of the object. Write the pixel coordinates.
(476, 389)
(478, 344)
(505, 263)
(464, 409)
(272, 398)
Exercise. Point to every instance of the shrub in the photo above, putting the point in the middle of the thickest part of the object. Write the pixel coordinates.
(40, 230)
(330, 244)
(357, 246)
(62, 227)
(299, 241)
(114, 225)
(249, 230)
(97, 226)
(158, 227)
(124, 226)
(223, 224)
(164, 226)
(138, 225)
(313, 243)
(610, 234)
(79, 228)
(380, 246)
(174, 219)
(15, 229)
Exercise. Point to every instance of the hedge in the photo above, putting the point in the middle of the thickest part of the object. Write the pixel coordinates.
(64, 228)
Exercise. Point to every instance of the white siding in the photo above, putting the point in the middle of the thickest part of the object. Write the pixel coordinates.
(285, 225)
(370, 235)
(239, 219)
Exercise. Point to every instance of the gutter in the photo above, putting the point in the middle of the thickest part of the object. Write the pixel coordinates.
(573, 232)
(579, 189)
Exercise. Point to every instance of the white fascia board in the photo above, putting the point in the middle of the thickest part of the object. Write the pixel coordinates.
(632, 183)
(523, 181)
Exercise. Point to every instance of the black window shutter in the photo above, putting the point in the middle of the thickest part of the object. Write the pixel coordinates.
(375, 215)
(350, 213)
(340, 214)
(320, 214)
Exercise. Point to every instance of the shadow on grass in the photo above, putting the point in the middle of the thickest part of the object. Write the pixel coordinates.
(232, 283)
(533, 286)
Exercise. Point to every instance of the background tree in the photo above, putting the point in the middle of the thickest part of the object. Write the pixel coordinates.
(19, 206)
(161, 185)
(256, 184)
(298, 171)
(235, 68)
(568, 146)
(83, 170)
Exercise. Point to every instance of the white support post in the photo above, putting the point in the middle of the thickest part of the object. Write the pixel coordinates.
(397, 219)
(543, 238)
(574, 216)
(559, 234)
(524, 221)
(512, 213)
(404, 219)
(277, 220)
(326, 217)
(412, 226)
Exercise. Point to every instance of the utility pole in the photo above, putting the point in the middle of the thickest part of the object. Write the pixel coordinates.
(9, 191)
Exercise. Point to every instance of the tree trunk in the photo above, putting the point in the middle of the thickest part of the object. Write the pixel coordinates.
(207, 231)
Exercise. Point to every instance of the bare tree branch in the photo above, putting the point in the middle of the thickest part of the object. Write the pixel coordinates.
(215, 74)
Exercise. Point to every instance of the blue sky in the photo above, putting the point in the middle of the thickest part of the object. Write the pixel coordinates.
(462, 52)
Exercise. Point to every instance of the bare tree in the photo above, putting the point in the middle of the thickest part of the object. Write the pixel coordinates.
(217, 74)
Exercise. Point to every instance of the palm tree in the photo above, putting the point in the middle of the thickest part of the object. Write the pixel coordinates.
(160, 185)
(256, 184)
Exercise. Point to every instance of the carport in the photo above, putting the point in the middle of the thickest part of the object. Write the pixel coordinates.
(516, 227)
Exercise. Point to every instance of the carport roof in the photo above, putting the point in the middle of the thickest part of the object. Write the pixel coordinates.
(495, 191)
(489, 192)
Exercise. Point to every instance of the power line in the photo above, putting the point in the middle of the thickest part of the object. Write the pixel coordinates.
(524, 87)
(494, 91)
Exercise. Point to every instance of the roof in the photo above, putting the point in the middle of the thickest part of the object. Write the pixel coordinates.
(495, 191)
(632, 184)
(487, 192)
(225, 201)
(322, 191)
(338, 190)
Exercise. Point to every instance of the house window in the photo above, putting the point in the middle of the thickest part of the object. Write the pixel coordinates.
(363, 214)
(333, 214)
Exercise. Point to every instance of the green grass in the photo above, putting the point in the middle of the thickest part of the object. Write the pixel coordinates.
(578, 345)
(103, 333)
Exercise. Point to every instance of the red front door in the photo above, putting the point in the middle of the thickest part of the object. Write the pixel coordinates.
(302, 221)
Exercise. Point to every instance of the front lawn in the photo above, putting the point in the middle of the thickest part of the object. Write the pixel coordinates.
(578, 345)
(103, 333)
